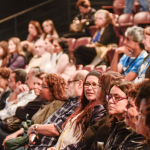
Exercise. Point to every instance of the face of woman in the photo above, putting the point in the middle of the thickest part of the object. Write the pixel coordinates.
(83, 10)
(11, 47)
(1, 52)
(37, 86)
(57, 47)
(117, 102)
(131, 112)
(47, 27)
(49, 46)
(45, 92)
(91, 89)
(99, 20)
(32, 30)
(140, 126)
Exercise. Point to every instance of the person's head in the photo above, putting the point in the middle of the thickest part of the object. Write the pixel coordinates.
(4, 76)
(30, 77)
(3, 49)
(75, 83)
(49, 28)
(103, 18)
(14, 46)
(118, 98)
(16, 78)
(60, 44)
(142, 102)
(53, 87)
(131, 109)
(134, 38)
(34, 28)
(39, 47)
(38, 82)
(49, 47)
(84, 6)
(104, 83)
(146, 40)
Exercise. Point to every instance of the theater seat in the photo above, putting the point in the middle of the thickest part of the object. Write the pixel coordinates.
(88, 67)
(93, 29)
(71, 43)
(82, 41)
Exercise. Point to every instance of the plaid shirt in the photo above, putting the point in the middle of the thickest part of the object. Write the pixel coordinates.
(57, 118)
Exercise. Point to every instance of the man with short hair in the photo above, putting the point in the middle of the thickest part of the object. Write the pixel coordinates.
(21, 95)
(133, 54)
(41, 57)
(50, 130)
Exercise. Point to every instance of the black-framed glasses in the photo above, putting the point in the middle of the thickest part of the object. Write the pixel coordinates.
(44, 87)
(115, 98)
(72, 81)
(93, 85)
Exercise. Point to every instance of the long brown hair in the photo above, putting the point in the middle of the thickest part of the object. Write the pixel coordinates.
(53, 31)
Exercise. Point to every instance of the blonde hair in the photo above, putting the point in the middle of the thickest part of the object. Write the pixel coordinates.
(106, 16)
(19, 49)
(53, 31)
(147, 30)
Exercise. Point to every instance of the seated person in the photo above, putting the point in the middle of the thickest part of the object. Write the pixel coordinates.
(4, 76)
(103, 37)
(146, 62)
(53, 125)
(88, 113)
(133, 54)
(3, 53)
(41, 57)
(21, 95)
(32, 107)
(17, 56)
(86, 17)
(64, 63)
(143, 103)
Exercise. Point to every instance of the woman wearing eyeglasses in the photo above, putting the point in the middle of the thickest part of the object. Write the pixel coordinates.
(117, 102)
(88, 113)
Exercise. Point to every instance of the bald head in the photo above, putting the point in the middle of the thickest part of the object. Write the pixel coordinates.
(80, 75)
(39, 47)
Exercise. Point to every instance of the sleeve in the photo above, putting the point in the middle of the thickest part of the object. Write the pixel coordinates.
(31, 108)
(18, 63)
(122, 60)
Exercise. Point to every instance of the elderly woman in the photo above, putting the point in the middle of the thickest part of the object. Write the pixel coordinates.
(88, 113)
(103, 37)
(117, 102)
(17, 56)
(86, 18)
(54, 92)
(64, 63)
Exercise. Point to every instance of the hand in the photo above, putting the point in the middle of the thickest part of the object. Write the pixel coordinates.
(24, 43)
(90, 45)
(31, 141)
(51, 148)
(83, 20)
(11, 136)
(30, 129)
(124, 49)
(21, 88)
(77, 21)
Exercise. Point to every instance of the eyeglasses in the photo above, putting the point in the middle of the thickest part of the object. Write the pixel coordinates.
(72, 81)
(43, 87)
(93, 85)
(115, 98)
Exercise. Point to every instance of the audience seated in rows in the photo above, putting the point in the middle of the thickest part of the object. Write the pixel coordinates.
(53, 125)
(85, 18)
(17, 56)
(104, 37)
(134, 54)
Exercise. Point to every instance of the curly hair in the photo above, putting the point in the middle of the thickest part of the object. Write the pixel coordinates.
(57, 86)
(5, 72)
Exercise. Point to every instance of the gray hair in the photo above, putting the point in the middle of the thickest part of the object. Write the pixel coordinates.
(136, 34)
